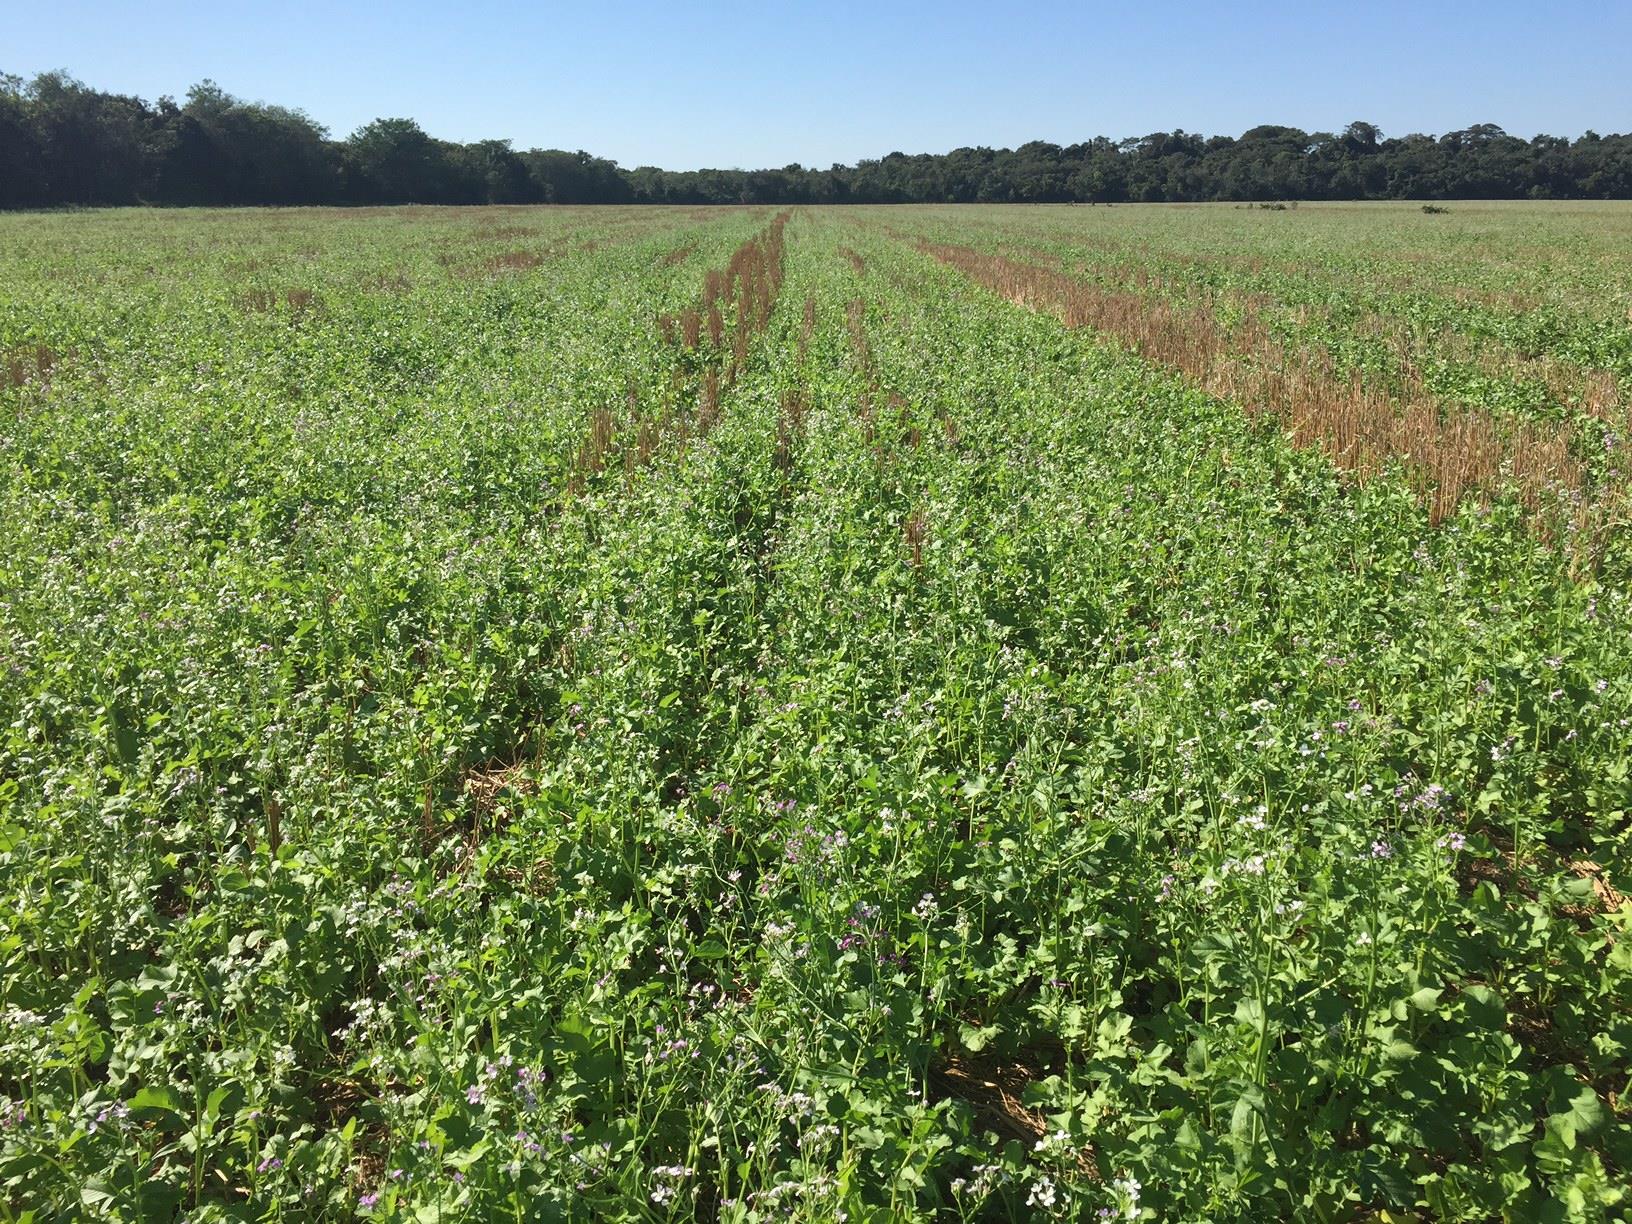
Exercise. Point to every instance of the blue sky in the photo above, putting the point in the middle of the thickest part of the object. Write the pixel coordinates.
(744, 84)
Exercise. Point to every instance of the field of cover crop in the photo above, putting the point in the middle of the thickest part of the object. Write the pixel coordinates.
(873, 714)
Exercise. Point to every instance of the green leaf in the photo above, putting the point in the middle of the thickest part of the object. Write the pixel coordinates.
(1484, 1007)
(1582, 1110)
(1399, 1050)
(95, 1193)
(1250, 1011)
(976, 1038)
(212, 1106)
(869, 1137)
(465, 1159)
(1249, 1106)
(155, 1098)
(1426, 999)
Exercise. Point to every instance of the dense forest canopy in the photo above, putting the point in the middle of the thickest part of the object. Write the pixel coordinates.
(64, 143)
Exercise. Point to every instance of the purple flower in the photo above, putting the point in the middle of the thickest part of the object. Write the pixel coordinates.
(366, 1201)
(1381, 850)
(1431, 798)
(268, 1165)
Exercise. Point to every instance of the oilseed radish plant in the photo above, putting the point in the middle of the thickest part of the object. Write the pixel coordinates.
(870, 714)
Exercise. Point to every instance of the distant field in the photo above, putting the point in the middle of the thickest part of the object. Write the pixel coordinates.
(883, 713)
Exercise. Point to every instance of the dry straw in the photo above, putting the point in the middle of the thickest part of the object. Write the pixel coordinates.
(1447, 454)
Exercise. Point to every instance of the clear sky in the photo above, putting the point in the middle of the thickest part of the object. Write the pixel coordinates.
(764, 84)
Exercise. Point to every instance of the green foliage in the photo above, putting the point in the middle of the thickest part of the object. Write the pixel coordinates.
(64, 143)
(399, 819)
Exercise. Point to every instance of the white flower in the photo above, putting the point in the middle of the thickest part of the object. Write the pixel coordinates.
(1043, 1192)
(1127, 1188)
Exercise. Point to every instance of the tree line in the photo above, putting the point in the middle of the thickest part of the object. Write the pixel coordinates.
(63, 143)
